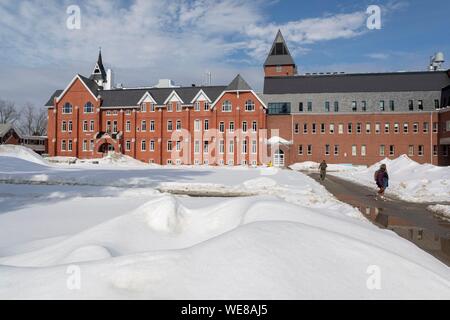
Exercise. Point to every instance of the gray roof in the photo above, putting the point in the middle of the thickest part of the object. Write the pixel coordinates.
(91, 84)
(363, 82)
(279, 54)
(4, 128)
(57, 93)
(102, 73)
(238, 84)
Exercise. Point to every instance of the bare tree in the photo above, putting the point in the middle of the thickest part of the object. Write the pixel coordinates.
(8, 112)
(33, 121)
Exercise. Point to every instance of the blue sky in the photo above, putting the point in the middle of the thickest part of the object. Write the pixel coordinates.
(144, 40)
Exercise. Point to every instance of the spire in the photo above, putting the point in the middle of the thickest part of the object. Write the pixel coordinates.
(279, 53)
(238, 84)
(99, 73)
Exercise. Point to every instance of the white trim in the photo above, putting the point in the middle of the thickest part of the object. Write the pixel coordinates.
(197, 96)
(144, 98)
(237, 91)
(169, 98)
(70, 84)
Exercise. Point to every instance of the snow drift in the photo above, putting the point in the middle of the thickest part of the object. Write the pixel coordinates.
(21, 152)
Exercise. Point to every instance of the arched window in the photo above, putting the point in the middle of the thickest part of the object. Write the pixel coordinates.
(67, 108)
(249, 105)
(226, 106)
(88, 107)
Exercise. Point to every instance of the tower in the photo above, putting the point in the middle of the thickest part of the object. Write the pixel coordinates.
(279, 62)
(99, 73)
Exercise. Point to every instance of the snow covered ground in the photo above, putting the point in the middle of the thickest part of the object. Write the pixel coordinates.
(90, 231)
(408, 180)
(441, 209)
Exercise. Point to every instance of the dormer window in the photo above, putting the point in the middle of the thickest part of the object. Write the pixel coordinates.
(169, 107)
(278, 69)
(206, 107)
(226, 106)
(197, 106)
(178, 106)
(143, 107)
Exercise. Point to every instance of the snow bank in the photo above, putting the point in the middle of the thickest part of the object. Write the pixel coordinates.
(408, 179)
(21, 152)
(441, 209)
(250, 248)
(314, 166)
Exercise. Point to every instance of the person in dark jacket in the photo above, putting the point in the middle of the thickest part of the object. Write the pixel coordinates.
(382, 180)
(323, 170)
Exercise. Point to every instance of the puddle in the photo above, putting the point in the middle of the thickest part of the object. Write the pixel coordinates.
(434, 240)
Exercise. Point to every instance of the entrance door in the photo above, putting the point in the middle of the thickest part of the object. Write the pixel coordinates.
(278, 158)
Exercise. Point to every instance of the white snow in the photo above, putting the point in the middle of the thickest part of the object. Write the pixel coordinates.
(441, 209)
(290, 240)
(10, 150)
(408, 180)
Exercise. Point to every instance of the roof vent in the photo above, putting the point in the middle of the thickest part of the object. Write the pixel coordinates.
(166, 83)
(436, 62)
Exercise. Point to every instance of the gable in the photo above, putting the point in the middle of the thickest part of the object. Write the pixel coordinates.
(173, 97)
(77, 84)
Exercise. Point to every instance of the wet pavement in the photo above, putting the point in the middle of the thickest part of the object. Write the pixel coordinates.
(412, 221)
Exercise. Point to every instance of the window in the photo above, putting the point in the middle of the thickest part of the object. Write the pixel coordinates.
(85, 126)
(206, 106)
(143, 125)
(436, 104)
(91, 147)
(363, 150)
(391, 105)
(327, 149)
(92, 126)
(88, 107)
(305, 128)
(425, 127)
(196, 125)
(222, 127)
(410, 105)
(300, 107)
(169, 125)
(178, 125)
(143, 107)
(221, 146)
(206, 125)
(169, 145)
(278, 69)
(67, 108)
(197, 146)
(169, 107)
(354, 150)
(128, 112)
(69, 126)
(128, 126)
(336, 149)
(445, 150)
(249, 105)
(381, 105)
(254, 126)
(226, 106)
(420, 105)
(178, 145)
(300, 149)
(416, 127)
(69, 145)
(364, 106)
(382, 150)
(296, 128)
(128, 145)
(244, 146)
(358, 127)
(178, 107)
(152, 145)
(231, 127)
(115, 126)
(331, 128)
(309, 106)
(152, 107)
(327, 106)
(254, 146)
(377, 128)
(391, 150)
(231, 146)
(84, 145)
(405, 127)
(152, 125)
(341, 128)
(354, 106)
(309, 149)
(387, 127)
(350, 128)
(197, 106)
(420, 151)
(368, 128)
(244, 126)
(435, 127)
(279, 108)
(410, 150)
(435, 150)
(336, 106)
(63, 145)
(396, 127)
(143, 145)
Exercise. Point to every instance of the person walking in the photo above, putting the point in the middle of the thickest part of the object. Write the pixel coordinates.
(382, 180)
(323, 170)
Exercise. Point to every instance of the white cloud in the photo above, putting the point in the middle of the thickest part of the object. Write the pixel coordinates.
(378, 56)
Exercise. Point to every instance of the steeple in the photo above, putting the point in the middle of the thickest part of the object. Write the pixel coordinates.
(99, 73)
(279, 62)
